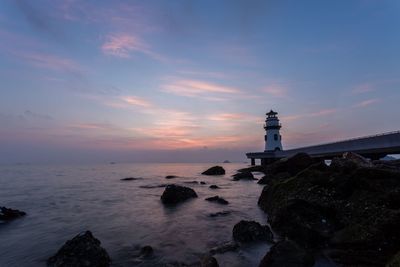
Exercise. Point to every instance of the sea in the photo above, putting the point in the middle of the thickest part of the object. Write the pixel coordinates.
(63, 200)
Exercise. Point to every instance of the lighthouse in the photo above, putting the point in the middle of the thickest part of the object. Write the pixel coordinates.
(273, 139)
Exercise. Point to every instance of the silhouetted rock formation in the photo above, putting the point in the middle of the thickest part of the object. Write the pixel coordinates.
(146, 251)
(247, 231)
(225, 247)
(10, 214)
(209, 261)
(216, 170)
(130, 179)
(171, 176)
(243, 176)
(82, 251)
(175, 193)
(213, 186)
(287, 253)
(350, 207)
(218, 199)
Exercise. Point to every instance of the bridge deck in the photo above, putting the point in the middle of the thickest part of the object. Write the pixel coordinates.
(374, 146)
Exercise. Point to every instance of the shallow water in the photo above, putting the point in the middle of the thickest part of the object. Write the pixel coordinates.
(63, 200)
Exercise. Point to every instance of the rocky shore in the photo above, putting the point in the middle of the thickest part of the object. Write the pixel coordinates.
(349, 211)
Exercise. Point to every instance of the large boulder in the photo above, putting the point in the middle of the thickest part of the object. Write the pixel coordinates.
(7, 214)
(248, 231)
(209, 261)
(243, 176)
(216, 170)
(350, 208)
(287, 253)
(218, 200)
(83, 250)
(292, 165)
(175, 193)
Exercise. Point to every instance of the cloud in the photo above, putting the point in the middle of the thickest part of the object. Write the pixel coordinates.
(202, 89)
(366, 103)
(363, 88)
(123, 44)
(136, 101)
(52, 62)
(322, 112)
(276, 90)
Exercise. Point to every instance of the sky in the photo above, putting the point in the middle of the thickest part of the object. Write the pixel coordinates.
(191, 81)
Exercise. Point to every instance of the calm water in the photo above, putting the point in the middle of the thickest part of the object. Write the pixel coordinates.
(62, 201)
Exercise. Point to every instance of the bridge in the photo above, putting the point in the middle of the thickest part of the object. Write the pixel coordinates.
(373, 146)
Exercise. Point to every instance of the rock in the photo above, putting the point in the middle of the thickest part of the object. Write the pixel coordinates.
(225, 247)
(287, 253)
(268, 179)
(82, 250)
(209, 261)
(359, 160)
(218, 199)
(291, 165)
(243, 176)
(219, 213)
(171, 176)
(226, 161)
(191, 182)
(130, 179)
(348, 208)
(146, 251)
(175, 193)
(213, 186)
(202, 182)
(10, 214)
(257, 168)
(247, 231)
(394, 261)
(153, 186)
(216, 170)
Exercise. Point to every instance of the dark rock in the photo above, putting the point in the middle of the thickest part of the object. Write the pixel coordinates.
(247, 231)
(10, 214)
(216, 170)
(209, 261)
(82, 250)
(171, 176)
(213, 186)
(394, 261)
(287, 253)
(130, 179)
(218, 199)
(220, 213)
(202, 182)
(153, 186)
(257, 168)
(292, 165)
(269, 179)
(243, 176)
(225, 247)
(226, 161)
(191, 182)
(146, 251)
(349, 208)
(175, 193)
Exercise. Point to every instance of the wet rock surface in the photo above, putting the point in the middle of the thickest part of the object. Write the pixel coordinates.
(248, 231)
(218, 200)
(289, 254)
(216, 170)
(83, 250)
(243, 176)
(209, 261)
(7, 214)
(225, 247)
(174, 194)
(350, 209)
(131, 178)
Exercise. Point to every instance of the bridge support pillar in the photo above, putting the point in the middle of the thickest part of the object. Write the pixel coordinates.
(253, 161)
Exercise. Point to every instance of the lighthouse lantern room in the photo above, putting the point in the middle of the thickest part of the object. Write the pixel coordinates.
(273, 139)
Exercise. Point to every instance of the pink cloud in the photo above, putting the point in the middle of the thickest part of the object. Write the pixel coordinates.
(196, 88)
(122, 45)
(363, 88)
(366, 103)
(276, 90)
(136, 101)
(52, 62)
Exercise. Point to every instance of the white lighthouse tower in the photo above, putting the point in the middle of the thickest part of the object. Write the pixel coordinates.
(273, 139)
